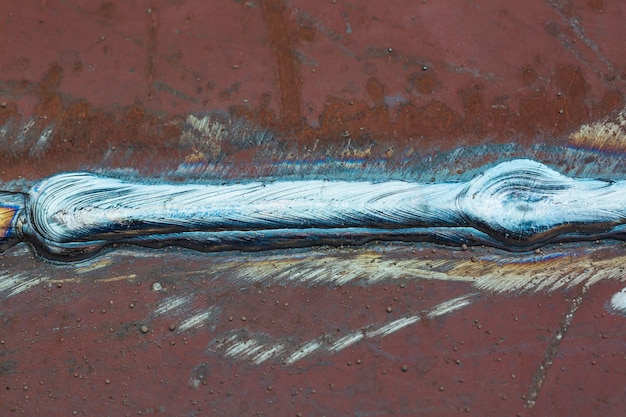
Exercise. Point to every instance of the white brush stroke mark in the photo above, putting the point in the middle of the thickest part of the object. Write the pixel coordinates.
(449, 306)
(494, 273)
(173, 303)
(259, 347)
(268, 353)
(346, 341)
(180, 309)
(198, 319)
(303, 351)
(370, 268)
(15, 283)
(256, 348)
(393, 327)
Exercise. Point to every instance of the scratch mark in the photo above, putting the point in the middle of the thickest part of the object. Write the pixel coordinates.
(474, 72)
(6, 127)
(554, 30)
(561, 7)
(335, 38)
(553, 348)
(163, 86)
(580, 33)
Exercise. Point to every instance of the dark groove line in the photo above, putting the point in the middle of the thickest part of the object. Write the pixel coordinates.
(552, 350)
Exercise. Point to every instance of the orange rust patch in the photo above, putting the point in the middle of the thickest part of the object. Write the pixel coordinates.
(6, 217)
(603, 136)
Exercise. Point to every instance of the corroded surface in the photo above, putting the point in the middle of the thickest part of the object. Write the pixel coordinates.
(427, 91)
(115, 87)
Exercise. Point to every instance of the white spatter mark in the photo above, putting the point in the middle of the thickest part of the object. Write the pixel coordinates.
(618, 302)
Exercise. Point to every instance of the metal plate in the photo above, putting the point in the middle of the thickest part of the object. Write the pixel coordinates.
(422, 91)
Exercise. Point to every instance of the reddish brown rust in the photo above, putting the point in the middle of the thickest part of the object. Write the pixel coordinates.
(403, 101)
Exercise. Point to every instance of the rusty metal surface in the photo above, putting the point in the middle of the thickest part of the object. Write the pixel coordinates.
(424, 90)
